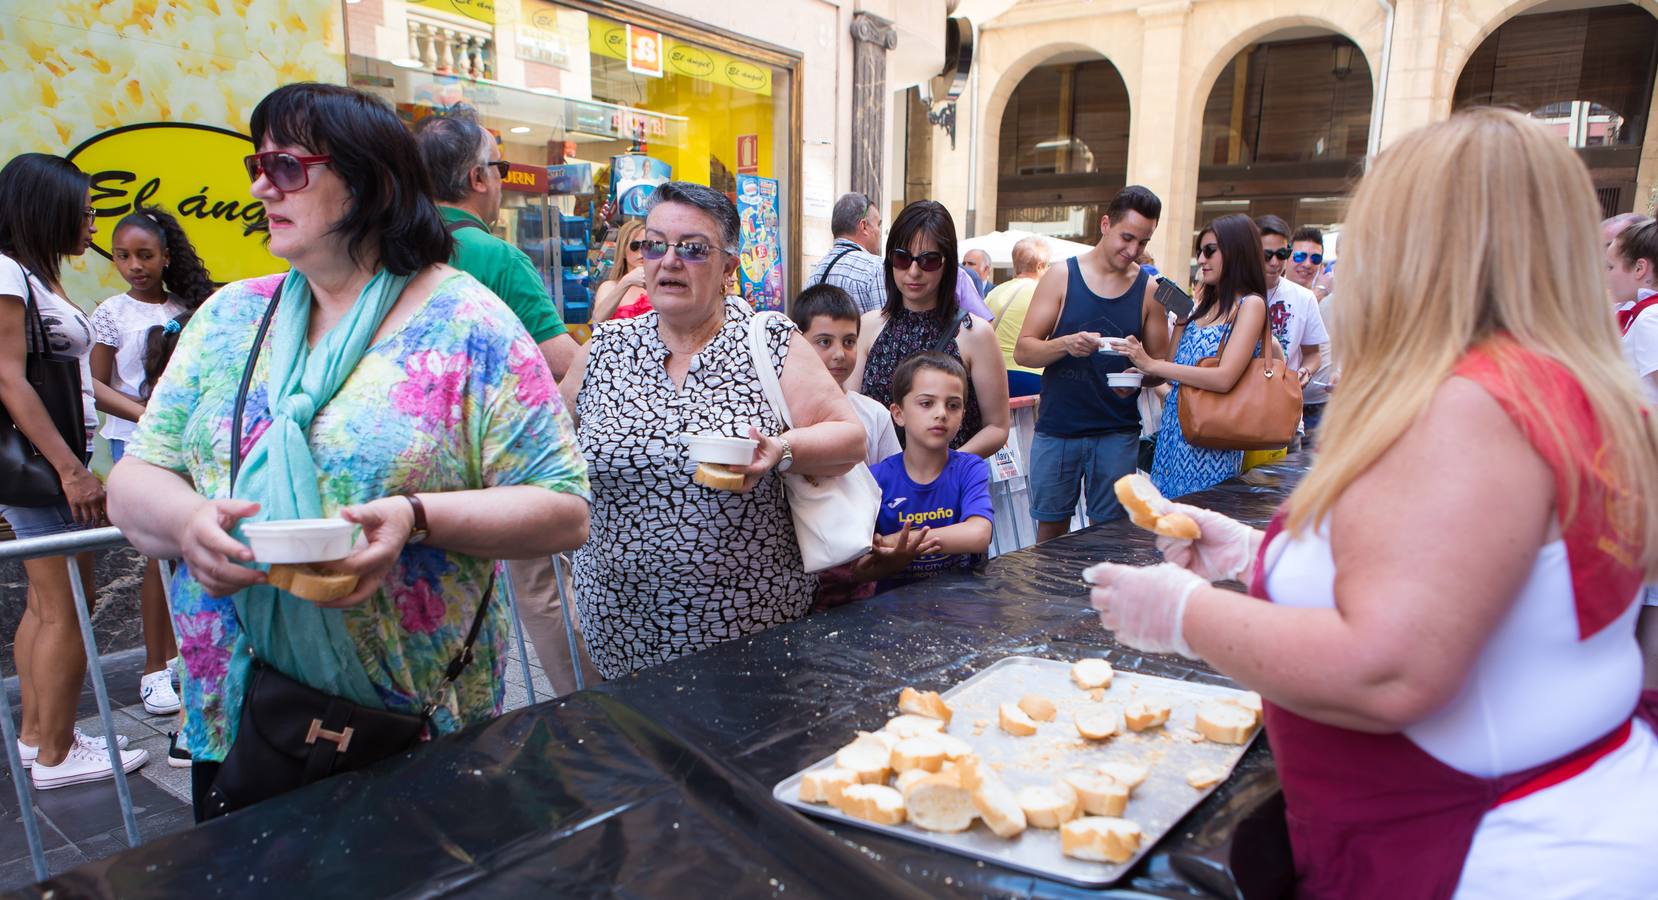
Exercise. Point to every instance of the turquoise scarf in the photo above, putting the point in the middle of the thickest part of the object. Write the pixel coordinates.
(302, 640)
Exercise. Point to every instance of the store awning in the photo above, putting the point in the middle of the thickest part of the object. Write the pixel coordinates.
(999, 244)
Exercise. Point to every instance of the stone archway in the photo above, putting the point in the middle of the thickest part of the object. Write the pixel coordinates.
(1625, 174)
(1061, 147)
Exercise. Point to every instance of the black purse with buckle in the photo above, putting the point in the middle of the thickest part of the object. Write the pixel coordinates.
(291, 734)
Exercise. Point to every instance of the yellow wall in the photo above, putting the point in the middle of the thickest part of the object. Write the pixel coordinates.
(75, 69)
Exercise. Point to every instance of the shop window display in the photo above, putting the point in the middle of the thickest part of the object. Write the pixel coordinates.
(607, 108)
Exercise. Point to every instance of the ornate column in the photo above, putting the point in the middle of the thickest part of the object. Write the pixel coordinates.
(872, 37)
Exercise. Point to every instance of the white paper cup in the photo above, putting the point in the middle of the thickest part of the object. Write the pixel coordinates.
(300, 540)
(1124, 379)
(717, 448)
(1114, 346)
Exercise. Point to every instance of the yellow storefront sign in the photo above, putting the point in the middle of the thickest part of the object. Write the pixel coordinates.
(476, 10)
(610, 39)
(194, 172)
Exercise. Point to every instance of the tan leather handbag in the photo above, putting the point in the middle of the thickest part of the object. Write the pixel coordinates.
(1262, 410)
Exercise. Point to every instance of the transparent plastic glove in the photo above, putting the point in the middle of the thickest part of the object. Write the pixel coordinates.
(1226, 550)
(1144, 608)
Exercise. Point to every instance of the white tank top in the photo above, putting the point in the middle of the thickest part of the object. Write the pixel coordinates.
(1536, 692)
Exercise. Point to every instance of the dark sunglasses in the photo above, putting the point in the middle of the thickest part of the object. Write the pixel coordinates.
(285, 171)
(1301, 256)
(501, 167)
(1208, 250)
(931, 261)
(687, 251)
(1282, 253)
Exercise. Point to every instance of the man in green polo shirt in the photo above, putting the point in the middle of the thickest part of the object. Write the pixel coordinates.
(466, 169)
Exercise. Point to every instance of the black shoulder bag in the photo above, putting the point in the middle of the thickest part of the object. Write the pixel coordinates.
(291, 734)
(824, 275)
(26, 477)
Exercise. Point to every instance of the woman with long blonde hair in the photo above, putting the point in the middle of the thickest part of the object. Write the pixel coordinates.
(1447, 654)
(622, 295)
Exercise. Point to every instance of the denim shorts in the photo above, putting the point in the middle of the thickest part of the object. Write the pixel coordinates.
(117, 449)
(1061, 466)
(39, 521)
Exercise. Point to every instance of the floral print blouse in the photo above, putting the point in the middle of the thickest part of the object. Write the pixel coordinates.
(456, 398)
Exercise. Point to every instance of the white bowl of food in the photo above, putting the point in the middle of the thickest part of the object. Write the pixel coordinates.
(1114, 346)
(717, 448)
(300, 540)
(1124, 379)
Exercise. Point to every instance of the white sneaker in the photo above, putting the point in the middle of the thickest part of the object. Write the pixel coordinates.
(28, 753)
(157, 690)
(83, 764)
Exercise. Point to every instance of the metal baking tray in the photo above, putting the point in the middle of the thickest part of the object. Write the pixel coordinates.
(1171, 751)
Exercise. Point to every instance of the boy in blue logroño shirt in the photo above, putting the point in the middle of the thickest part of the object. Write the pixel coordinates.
(936, 513)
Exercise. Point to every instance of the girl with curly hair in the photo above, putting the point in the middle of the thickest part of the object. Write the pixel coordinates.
(134, 330)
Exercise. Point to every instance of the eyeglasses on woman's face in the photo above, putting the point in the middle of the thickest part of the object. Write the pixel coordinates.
(931, 261)
(287, 172)
(1302, 256)
(1208, 250)
(687, 251)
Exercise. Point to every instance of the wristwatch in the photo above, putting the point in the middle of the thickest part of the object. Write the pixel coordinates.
(788, 455)
(420, 531)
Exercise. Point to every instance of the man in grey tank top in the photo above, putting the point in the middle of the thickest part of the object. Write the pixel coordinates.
(1087, 432)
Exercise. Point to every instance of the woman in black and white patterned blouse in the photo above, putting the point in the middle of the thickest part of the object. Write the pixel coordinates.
(673, 567)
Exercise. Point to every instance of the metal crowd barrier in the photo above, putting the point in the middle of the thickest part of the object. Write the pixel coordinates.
(71, 543)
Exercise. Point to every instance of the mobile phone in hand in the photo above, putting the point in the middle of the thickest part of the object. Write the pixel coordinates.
(1173, 298)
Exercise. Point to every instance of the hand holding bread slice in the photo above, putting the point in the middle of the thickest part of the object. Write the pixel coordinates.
(1148, 509)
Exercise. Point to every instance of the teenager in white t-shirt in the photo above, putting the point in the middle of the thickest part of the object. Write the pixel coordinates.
(136, 332)
(45, 216)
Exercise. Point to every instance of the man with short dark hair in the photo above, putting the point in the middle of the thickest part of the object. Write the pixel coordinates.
(464, 162)
(1086, 431)
(1293, 313)
(466, 167)
(1306, 258)
(853, 263)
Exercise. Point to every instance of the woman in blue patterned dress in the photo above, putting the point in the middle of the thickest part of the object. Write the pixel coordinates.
(1232, 283)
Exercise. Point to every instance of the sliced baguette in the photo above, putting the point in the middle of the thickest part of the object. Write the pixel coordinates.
(873, 803)
(1098, 795)
(868, 757)
(1048, 806)
(824, 785)
(1146, 713)
(1225, 723)
(924, 703)
(1148, 509)
(940, 803)
(1014, 721)
(999, 808)
(1091, 674)
(1099, 724)
(1250, 701)
(1202, 777)
(907, 780)
(1100, 839)
(1131, 775)
(908, 725)
(309, 582)
(924, 752)
(718, 477)
(1038, 707)
(954, 747)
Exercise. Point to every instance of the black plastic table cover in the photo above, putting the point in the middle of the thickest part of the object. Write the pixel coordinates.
(659, 785)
